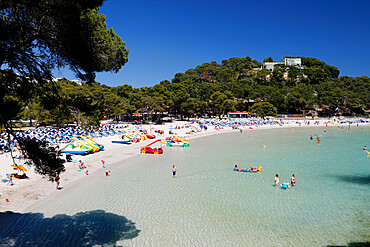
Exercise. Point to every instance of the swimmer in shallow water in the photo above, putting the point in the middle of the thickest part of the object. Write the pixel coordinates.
(365, 148)
(276, 180)
(293, 180)
(174, 171)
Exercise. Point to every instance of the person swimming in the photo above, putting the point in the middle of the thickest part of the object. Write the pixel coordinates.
(365, 148)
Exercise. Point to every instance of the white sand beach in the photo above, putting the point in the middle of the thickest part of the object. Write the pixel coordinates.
(25, 192)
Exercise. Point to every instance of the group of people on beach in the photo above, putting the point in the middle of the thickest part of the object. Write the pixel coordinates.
(103, 165)
(82, 166)
(285, 184)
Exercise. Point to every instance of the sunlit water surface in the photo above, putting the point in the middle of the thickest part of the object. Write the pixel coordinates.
(209, 204)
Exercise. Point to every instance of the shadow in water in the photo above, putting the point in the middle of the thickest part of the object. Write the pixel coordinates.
(362, 180)
(82, 229)
(353, 244)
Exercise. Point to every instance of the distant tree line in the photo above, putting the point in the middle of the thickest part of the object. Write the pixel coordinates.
(211, 89)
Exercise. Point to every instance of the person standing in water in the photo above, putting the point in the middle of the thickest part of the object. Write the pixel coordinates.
(174, 171)
(276, 180)
(292, 180)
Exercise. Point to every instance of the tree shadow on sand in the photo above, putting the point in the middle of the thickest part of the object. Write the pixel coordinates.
(353, 244)
(361, 180)
(82, 229)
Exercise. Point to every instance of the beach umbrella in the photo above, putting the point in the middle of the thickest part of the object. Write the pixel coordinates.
(19, 167)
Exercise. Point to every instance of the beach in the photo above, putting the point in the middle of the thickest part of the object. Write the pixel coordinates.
(25, 192)
(140, 203)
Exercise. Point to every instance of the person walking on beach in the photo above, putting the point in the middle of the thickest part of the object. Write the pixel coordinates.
(103, 163)
(81, 165)
(292, 180)
(11, 181)
(57, 178)
(174, 170)
(276, 180)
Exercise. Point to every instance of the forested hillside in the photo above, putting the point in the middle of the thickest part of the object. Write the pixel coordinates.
(210, 89)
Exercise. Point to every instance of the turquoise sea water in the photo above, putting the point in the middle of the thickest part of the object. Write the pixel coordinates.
(209, 204)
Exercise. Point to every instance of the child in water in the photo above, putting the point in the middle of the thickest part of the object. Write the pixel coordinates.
(285, 185)
(174, 170)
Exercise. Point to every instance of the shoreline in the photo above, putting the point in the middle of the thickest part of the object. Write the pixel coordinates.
(35, 192)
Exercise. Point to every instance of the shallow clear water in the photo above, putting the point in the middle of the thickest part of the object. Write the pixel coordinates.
(209, 204)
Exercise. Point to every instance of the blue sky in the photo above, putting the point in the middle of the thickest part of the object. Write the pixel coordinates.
(167, 37)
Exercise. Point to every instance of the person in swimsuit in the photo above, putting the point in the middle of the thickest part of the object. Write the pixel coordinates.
(174, 170)
(57, 178)
(82, 165)
(238, 168)
(11, 181)
(276, 180)
(292, 180)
